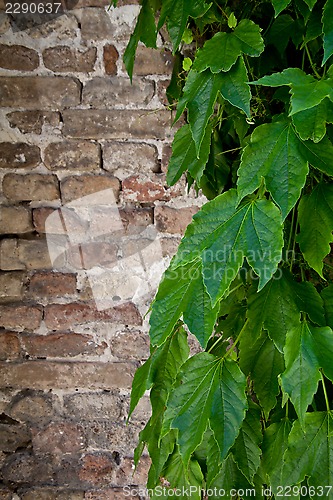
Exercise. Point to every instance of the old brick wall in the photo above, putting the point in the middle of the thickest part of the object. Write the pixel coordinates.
(72, 125)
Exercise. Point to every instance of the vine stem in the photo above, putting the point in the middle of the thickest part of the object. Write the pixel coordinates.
(325, 392)
(237, 339)
(311, 62)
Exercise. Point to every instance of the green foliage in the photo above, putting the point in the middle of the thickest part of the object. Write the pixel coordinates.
(251, 280)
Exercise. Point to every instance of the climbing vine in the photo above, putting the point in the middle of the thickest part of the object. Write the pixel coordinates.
(252, 411)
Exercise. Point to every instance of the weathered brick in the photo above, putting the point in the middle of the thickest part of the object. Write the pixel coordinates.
(78, 155)
(44, 375)
(110, 494)
(142, 189)
(96, 25)
(51, 285)
(10, 347)
(166, 155)
(39, 92)
(11, 285)
(119, 158)
(15, 220)
(9, 255)
(169, 246)
(78, 4)
(89, 255)
(62, 316)
(58, 438)
(162, 86)
(25, 254)
(127, 474)
(67, 59)
(152, 62)
(97, 468)
(13, 437)
(32, 406)
(116, 124)
(78, 186)
(18, 57)
(134, 220)
(60, 345)
(33, 121)
(130, 345)
(5, 494)
(105, 93)
(19, 316)
(94, 405)
(19, 155)
(110, 58)
(108, 434)
(50, 494)
(23, 468)
(61, 29)
(59, 221)
(173, 220)
(30, 187)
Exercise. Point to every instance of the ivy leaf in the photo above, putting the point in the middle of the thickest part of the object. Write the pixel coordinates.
(300, 379)
(323, 338)
(327, 296)
(234, 86)
(305, 96)
(280, 32)
(310, 3)
(229, 479)
(184, 155)
(288, 76)
(311, 123)
(280, 5)
(264, 363)
(319, 155)
(222, 51)
(273, 447)
(310, 451)
(222, 235)
(145, 31)
(273, 153)
(316, 225)
(328, 30)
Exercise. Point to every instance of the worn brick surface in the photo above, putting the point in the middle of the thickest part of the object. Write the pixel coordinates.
(39, 92)
(50, 494)
(30, 187)
(61, 345)
(130, 345)
(25, 254)
(96, 25)
(19, 316)
(105, 93)
(46, 284)
(94, 405)
(76, 155)
(151, 61)
(58, 438)
(78, 186)
(10, 347)
(11, 285)
(136, 188)
(120, 157)
(33, 121)
(18, 57)
(13, 437)
(110, 494)
(110, 57)
(66, 59)
(127, 470)
(15, 220)
(35, 407)
(116, 124)
(173, 220)
(19, 155)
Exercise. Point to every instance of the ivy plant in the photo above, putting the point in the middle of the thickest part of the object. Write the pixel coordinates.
(249, 414)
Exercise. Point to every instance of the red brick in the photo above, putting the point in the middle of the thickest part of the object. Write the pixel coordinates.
(153, 62)
(59, 345)
(141, 189)
(63, 316)
(18, 316)
(18, 57)
(107, 92)
(78, 186)
(39, 92)
(15, 220)
(58, 438)
(46, 375)
(51, 285)
(110, 57)
(96, 25)
(33, 121)
(67, 59)
(10, 347)
(130, 345)
(125, 474)
(97, 469)
(11, 285)
(78, 155)
(30, 187)
(19, 155)
(173, 220)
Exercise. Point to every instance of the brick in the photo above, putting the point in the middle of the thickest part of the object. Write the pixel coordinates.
(130, 345)
(13, 437)
(78, 155)
(97, 468)
(142, 189)
(120, 158)
(169, 246)
(105, 93)
(61, 29)
(9, 256)
(134, 220)
(45, 375)
(116, 124)
(15, 220)
(39, 92)
(11, 285)
(94, 405)
(166, 155)
(152, 62)
(78, 186)
(23, 468)
(51, 494)
(78, 4)
(162, 86)
(30, 187)
(5, 494)
(110, 58)
(10, 348)
(142, 412)
(127, 474)
(63, 316)
(56, 221)
(33, 121)
(4, 25)
(18, 57)
(31, 406)
(19, 316)
(45, 284)
(96, 25)
(173, 220)
(58, 438)
(89, 255)
(60, 345)
(25, 254)
(108, 435)
(19, 155)
(110, 494)
(66, 59)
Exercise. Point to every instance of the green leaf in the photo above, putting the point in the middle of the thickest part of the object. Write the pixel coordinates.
(273, 153)
(222, 51)
(232, 21)
(222, 235)
(273, 447)
(328, 30)
(311, 123)
(280, 5)
(187, 63)
(263, 362)
(184, 155)
(280, 32)
(246, 449)
(140, 385)
(229, 479)
(310, 452)
(319, 155)
(327, 296)
(323, 338)
(288, 76)
(145, 31)
(305, 96)
(315, 217)
(300, 379)
(234, 86)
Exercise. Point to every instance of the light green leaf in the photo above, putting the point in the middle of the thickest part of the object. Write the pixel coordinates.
(280, 5)
(311, 123)
(288, 76)
(319, 155)
(184, 155)
(273, 153)
(305, 96)
(222, 51)
(273, 447)
(323, 338)
(310, 452)
(263, 362)
(315, 217)
(213, 457)
(234, 87)
(222, 235)
(141, 383)
(310, 3)
(328, 30)
(232, 21)
(300, 379)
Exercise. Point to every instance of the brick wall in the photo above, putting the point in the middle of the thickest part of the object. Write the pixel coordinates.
(73, 126)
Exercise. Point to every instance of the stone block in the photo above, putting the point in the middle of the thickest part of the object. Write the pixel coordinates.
(19, 155)
(76, 155)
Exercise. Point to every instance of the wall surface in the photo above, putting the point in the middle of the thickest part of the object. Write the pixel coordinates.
(87, 225)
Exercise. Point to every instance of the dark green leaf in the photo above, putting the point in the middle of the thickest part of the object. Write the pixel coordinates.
(274, 445)
(323, 338)
(319, 155)
(228, 480)
(327, 296)
(234, 86)
(305, 96)
(311, 123)
(280, 32)
(328, 30)
(280, 5)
